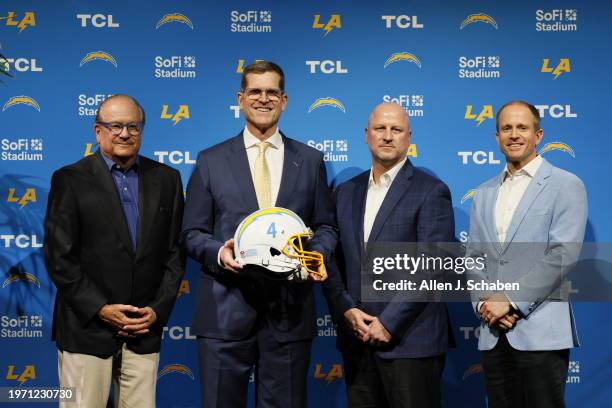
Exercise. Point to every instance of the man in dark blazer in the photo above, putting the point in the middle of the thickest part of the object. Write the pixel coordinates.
(112, 249)
(241, 321)
(393, 352)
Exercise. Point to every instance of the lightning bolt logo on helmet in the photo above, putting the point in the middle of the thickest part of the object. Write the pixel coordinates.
(402, 56)
(98, 55)
(21, 100)
(557, 146)
(174, 18)
(271, 243)
(327, 101)
(478, 18)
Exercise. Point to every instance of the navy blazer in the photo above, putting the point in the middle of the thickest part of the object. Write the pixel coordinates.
(417, 208)
(220, 194)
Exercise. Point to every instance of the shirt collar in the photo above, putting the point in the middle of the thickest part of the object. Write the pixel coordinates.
(387, 178)
(110, 164)
(530, 169)
(276, 140)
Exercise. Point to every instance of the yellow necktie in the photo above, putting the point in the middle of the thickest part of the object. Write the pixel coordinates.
(262, 177)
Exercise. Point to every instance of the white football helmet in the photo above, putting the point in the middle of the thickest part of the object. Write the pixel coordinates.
(274, 239)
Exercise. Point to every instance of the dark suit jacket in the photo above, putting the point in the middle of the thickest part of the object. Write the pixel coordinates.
(417, 208)
(220, 194)
(89, 254)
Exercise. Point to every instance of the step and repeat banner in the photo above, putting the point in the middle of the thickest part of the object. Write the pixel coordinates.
(449, 64)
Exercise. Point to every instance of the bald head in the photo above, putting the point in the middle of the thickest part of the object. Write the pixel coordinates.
(122, 99)
(389, 108)
(388, 136)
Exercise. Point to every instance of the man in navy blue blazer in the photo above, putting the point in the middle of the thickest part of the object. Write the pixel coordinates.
(241, 322)
(393, 352)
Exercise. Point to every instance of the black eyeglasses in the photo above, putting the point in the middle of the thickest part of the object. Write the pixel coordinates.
(115, 128)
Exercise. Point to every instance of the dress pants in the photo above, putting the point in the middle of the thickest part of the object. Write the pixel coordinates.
(133, 376)
(280, 371)
(524, 379)
(374, 382)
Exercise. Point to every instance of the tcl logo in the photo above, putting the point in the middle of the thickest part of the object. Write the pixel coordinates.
(402, 21)
(97, 20)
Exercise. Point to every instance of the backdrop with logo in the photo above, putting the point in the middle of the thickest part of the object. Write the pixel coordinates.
(449, 64)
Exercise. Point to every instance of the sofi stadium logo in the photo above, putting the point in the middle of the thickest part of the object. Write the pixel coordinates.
(21, 149)
(325, 326)
(88, 104)
(334, 150)
(251, 21)
(573, 372)
(481, 18)
(21, 22)
(327, 24)
(559, 146)
(174, 18)
(402, 56)
(480, 66)
(556, 68)
(98, 56)
(327, 101)
(556, 20)
(27, 326)
(412, 104)
(21, 65)
(175, 369)
(175, 66)
(402, 22)
(478, 115)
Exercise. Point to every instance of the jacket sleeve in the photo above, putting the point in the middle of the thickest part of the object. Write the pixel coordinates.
(63, 251)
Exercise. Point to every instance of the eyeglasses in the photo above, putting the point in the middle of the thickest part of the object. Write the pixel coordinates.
(115, 128)
(273, 94)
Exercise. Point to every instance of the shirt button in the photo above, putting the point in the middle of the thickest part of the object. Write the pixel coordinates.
(124, 188)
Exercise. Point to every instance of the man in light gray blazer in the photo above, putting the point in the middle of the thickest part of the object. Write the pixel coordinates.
(529, 225)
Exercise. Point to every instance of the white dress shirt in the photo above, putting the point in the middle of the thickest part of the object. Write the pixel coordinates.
(275, 154)
(511, 191)
(376, 195)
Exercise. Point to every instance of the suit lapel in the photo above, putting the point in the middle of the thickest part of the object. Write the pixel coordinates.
(238, 162)
(148, 204)
(398, 188)
(490, 221)
(110, 204)
(357, 205)
(292, 164)
(533, 190)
